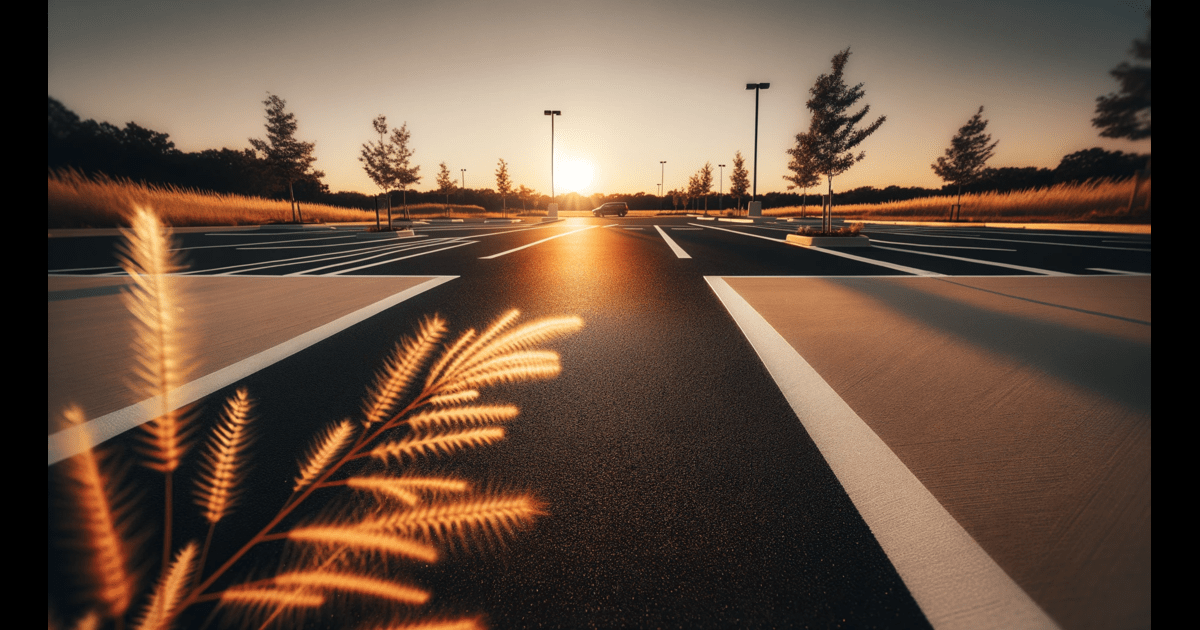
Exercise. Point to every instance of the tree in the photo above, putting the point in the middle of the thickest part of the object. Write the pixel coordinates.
(445, 184)
(406, 174)
(969, 151)
(832, 134)
(804, 174)
(503, 185)
(287, 159)
(378, 163)
(739, 180)
(1126, 114)
(703, 181)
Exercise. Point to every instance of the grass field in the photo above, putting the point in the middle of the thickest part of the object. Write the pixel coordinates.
(75, 201)
(1088, 202)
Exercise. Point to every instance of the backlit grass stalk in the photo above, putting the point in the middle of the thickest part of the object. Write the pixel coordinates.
(148, 256)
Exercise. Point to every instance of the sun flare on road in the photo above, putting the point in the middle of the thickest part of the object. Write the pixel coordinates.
(574, 175)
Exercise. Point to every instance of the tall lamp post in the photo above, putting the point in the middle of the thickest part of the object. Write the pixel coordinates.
(662, 178)
(552, 113)
(464, 185)
(754, 191)
(721, 189)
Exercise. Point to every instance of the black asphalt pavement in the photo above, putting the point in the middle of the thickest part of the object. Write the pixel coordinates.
(681, 490)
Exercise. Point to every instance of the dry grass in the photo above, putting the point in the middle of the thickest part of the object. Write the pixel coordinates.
(1093, 201)
(73, 201)
(417, 409)
(76, 201)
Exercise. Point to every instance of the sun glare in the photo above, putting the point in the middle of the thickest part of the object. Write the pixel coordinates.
(574, 175)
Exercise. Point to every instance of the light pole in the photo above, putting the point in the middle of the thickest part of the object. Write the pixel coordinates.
(662, 178)
(756, 87)
(552, 113)
(464, 185)
(721, 189)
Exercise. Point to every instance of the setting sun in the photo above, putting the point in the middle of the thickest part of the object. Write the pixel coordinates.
(574, 175)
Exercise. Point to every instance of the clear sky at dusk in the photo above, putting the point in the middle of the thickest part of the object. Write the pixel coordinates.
(637, 81)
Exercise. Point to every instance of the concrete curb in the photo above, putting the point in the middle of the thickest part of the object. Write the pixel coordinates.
(831, 242)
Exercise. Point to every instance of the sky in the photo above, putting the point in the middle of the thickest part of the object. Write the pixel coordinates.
(637, 81)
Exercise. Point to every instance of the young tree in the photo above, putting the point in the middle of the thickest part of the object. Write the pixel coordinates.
(524, 194)
(1126, 114)
(503, 185)
(704, 182)
(969, 151)
(832, 134)
(405, 174)
(446, 184)
(287, 159)
(804, 174)
(739, 180)
(378, 163)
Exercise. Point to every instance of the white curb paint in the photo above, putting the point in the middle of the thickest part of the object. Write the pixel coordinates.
(955, 582)
(74, 440)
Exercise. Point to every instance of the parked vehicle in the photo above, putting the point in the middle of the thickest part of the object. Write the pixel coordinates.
(619, 208)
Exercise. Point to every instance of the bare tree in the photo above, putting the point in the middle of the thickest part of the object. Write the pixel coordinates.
(832, 134)
(739, 180)
(287, 159)
(969, 151)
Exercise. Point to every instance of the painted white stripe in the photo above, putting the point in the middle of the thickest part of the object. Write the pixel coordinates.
(1117, 271)
(394, 241)
(679, 253)
(688, 228)
(392, 260)
(990, 249)
(632, 228)
(316, 258)
(74, 440)
(1043, 272)
(517, 249)
(955, 582)
(1050, 243)
(82, 269)
(388, 252)
(834, 252)
(250, 245)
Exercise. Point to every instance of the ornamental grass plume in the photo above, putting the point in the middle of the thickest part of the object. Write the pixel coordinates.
(380, 516)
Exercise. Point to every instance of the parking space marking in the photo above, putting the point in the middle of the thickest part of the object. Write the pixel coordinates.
(1040, 272)
(550, 238)
(679, 253)
(955, 582)
(76, 439)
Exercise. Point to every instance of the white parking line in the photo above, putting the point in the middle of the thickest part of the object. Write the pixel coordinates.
(1118, 272)
(390, 260)
(833, 252)
(679, 253)
(1050, 243)
(74, 440)
(314, 258)
(955, 582)
(1043, 272)
(990, 249)
(250, 245)
(517, 249)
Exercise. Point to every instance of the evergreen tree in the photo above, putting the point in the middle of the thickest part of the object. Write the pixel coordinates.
(832, 134)
(287, 159)
(969, 151)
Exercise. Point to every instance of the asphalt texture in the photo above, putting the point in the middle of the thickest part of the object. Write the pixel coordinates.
(681, 490)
